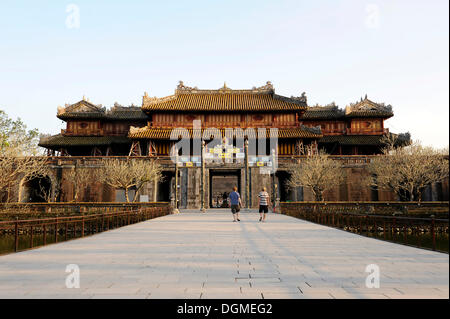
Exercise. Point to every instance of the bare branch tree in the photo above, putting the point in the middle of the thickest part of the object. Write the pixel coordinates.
(132, 173)
(317, 172)
(44, 192)
(409, 170)
(18, 155)
(80, 178)
(145, 172)
(14, 170)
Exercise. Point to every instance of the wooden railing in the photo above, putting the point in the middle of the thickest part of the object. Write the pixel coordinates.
(17, 235)
(79, 207)
(418, 209)
(424, 232)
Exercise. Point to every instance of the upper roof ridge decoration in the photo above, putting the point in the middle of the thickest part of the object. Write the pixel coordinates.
(315, 129)
(328, 107)
(368, 105)
(265, 88)
(82, 106)
(302, 98)
(329, 111)
(183, 89)
(121, 108)
(225, 88)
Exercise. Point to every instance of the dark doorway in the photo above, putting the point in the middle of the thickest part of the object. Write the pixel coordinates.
(284, 192)
(37, 190)
(221, 183)
(165, 188)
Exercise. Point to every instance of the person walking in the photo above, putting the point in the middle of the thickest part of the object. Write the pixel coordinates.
(263, 202)
(235, 203)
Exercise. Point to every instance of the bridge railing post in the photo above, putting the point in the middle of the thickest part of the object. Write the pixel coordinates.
(56, 229)
(433, 232)
(82, 226)
(16, 235)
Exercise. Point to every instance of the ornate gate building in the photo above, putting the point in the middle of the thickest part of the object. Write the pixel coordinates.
(172, 129)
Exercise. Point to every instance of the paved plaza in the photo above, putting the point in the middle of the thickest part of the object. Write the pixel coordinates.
(194, 255)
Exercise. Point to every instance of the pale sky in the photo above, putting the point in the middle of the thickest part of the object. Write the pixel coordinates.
(396, 52)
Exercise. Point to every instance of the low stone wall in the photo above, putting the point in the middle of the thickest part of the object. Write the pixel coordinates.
(416, 209)
(190, 183)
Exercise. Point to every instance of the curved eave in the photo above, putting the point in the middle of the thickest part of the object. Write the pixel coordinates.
(61, 141)
(368, 140)
(307, 117)
(80, 116)
(369, 115)
(118, 117)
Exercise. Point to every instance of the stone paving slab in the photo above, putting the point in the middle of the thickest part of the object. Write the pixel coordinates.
(194, 255)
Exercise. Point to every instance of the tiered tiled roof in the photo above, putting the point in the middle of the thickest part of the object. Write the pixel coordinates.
(81, 109)
(192, 99)
(367, 108)
(224, 100)
(165, 133)
(330, 111)
(372, 140)
(86, 110)
(126, 113)
(363, 108)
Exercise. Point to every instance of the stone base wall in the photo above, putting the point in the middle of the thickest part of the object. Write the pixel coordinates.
(190, 186)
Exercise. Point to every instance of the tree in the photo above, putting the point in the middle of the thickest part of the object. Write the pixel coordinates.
(130, 173)
(14, 170)
(47, 194)
(317, 172)
(18, 150)
(409, 170)
(15, 139)
(80, 178)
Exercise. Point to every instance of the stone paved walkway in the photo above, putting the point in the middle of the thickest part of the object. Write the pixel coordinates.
(193, 255)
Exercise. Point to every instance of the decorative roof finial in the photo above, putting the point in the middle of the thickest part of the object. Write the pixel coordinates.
(224, 84)
(365, 98)
(84, 98)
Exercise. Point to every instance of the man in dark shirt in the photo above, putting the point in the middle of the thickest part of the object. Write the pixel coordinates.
(235, 202)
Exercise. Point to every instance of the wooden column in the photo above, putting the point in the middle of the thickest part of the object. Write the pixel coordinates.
(247, 177)
(202, 181)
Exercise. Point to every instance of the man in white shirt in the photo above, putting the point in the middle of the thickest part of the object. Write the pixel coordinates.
(263, 202)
